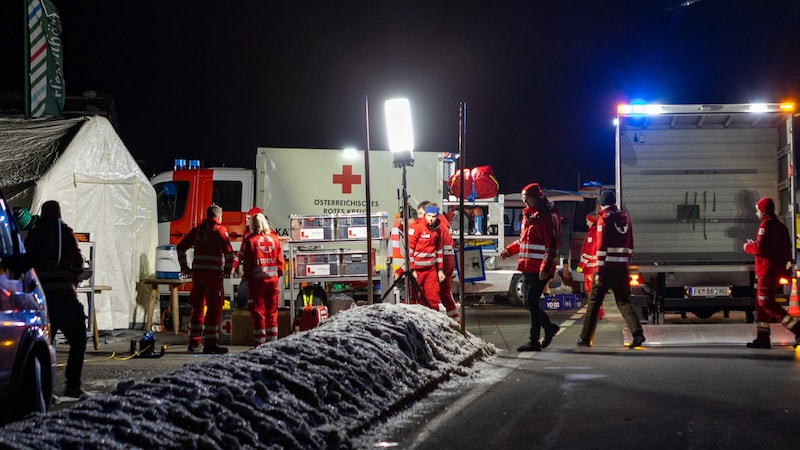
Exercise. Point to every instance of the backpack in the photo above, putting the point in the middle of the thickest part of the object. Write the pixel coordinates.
(480, 183)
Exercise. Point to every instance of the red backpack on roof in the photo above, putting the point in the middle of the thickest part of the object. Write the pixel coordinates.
(480, 183)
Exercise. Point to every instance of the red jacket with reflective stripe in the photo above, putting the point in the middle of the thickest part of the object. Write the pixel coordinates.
(448, 245)
(588, 260)
(262, 257)
(425, 246)
(539, 239)
(212, 248)
(772, 248)
(614, 239)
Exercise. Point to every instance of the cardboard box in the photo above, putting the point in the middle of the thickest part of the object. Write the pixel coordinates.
(242, 328)
(284, 321)
(311, 228)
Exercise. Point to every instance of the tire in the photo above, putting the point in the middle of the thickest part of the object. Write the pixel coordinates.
(34, 391)
(516, 297)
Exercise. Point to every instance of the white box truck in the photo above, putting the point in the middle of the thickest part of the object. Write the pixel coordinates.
(689, 176)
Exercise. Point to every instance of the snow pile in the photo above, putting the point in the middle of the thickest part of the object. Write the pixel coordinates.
(315, 389)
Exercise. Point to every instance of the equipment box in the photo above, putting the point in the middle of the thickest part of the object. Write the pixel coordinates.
(561, 302)
(311, 228)
(354, 226)
(317, 264)
(355, 262)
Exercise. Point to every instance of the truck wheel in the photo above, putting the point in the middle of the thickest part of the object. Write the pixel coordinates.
(516, 295)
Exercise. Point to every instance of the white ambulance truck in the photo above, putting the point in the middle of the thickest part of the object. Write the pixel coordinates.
(689, 176)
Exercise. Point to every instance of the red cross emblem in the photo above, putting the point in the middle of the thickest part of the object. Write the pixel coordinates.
(226, 326)
(347, 179)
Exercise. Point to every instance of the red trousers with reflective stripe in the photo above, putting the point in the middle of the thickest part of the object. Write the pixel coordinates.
(766, 308)
(428, 281)
(262, 302)
(446, 286)
(207, 290)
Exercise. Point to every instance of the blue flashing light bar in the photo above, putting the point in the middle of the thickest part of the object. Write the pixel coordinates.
(180, 164)
(194, 164)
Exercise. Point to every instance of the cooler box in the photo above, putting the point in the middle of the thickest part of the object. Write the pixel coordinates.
(354, 226)
(355, 262)
(167, 265)
(311, 228)
(309, 317)
(322, 263)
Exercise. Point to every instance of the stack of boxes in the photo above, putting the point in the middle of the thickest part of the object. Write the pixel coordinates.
(336, 228)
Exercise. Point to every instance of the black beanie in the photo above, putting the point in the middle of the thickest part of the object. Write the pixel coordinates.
(607, 198)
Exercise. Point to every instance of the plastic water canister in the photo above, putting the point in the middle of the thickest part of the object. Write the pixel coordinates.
(167, 265)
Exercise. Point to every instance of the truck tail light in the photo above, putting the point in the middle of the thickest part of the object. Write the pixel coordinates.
(635, 280)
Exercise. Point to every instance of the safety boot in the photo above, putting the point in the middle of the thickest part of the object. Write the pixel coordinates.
(793, 325)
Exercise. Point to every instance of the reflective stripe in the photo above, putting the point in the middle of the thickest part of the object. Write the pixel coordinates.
(618, 250)
(532, 247)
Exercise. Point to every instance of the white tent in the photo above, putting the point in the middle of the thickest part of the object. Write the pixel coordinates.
(102, 191)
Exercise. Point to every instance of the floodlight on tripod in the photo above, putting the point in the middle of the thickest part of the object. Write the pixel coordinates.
(400, 132)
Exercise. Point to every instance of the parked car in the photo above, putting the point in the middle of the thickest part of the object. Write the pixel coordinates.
(27, 356)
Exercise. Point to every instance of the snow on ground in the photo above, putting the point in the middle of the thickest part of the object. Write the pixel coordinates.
(316, 389)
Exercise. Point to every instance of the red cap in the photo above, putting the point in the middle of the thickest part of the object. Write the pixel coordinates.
(533, 190)
(254, 210)
(766, 205)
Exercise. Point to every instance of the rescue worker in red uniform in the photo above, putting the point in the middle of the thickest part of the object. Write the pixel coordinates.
(539, 239)
(588, 260)
(425, 248)
(773, 250)
(614, 248)
(262, 263)
(213, 260)
(448, 262)
(247, 218)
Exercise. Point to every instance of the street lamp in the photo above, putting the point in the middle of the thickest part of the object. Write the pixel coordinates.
(401, 144)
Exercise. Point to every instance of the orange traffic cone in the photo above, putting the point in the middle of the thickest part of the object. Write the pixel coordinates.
(794, 301)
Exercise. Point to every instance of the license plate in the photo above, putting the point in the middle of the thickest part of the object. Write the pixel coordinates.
(709, 291)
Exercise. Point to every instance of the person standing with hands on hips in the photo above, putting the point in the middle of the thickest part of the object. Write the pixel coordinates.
(538, 242)
(614, 248)
(772, 250)
(213, 261)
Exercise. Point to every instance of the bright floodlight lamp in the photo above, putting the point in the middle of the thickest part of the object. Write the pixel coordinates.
(400, 131)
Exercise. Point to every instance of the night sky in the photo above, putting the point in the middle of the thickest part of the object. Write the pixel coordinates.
(213, 80)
